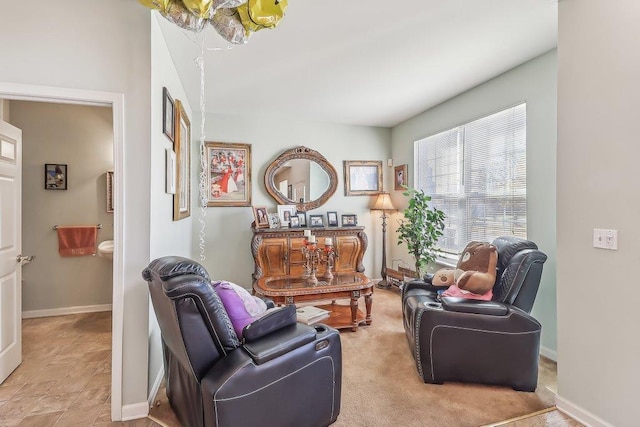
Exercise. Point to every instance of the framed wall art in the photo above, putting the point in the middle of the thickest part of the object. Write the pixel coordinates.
(182, 196)
(362, 177)
(168, 115)
(228, 174)
(55, 176)
(400, 178)
(170, 171)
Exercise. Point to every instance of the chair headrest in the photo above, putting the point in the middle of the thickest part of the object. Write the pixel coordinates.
(508, 246)
(171, 266)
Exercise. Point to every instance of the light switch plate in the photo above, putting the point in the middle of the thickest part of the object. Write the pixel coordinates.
(605, 239)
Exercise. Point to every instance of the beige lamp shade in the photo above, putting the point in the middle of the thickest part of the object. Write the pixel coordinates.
(383, 203)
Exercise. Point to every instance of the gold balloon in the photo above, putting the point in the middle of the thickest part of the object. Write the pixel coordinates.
(179, 15)
(259, 14)
(226, 4)
(160, 5)
(200, 8)
(227, 23)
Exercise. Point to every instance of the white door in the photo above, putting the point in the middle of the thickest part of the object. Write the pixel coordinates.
(10, 249)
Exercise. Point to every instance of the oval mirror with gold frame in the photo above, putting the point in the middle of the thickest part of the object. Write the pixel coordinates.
(301, 176)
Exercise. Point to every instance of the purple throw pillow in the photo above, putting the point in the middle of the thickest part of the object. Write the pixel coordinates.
(242, 307)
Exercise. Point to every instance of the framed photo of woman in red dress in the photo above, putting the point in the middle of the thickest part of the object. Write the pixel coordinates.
(228, 174)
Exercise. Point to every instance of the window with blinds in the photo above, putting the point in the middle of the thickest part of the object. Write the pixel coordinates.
(477, 175)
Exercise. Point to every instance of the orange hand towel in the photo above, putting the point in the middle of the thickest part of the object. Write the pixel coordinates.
(74, 241)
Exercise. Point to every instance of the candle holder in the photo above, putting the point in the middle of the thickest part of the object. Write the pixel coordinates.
(329, 257)
(311, 254)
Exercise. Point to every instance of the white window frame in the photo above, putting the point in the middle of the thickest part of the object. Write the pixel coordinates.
(482, 160)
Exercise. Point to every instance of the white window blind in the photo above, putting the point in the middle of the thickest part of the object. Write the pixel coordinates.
(477, 175)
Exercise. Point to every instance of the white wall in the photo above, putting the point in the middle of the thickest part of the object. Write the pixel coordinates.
(598, 317)
(228, 229)
(535, 83)
(99, 46)
(169, 237)
(81, 137)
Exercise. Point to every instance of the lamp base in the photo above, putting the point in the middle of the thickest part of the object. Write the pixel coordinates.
(383, 284)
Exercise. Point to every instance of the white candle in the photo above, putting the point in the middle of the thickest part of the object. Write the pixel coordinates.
(307, 233)
(311, 239)
(328, 241)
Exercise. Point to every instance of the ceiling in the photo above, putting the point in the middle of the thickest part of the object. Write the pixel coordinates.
(362, 62)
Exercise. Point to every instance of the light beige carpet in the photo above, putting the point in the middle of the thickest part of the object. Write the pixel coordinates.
(380, 385)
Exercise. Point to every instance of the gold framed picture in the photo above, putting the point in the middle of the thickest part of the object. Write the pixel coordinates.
(229, 174)
(182, 196)
(400, 178)
(362, 177)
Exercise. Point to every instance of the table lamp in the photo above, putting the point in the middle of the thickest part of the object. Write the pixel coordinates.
(383, 203)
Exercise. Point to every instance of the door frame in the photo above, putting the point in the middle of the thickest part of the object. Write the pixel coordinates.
(25, 92)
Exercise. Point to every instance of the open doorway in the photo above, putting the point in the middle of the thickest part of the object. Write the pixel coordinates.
(115, 102)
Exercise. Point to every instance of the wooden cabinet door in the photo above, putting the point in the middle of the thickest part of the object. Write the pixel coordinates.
(274, 255)
(296, 259)
(348, 248)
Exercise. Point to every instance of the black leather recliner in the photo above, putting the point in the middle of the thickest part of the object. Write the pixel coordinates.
(283, 373)
(490, 342)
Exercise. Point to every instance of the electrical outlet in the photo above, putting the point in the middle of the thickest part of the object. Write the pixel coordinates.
(605, 239)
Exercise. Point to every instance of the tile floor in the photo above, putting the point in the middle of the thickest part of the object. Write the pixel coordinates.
(65, 375)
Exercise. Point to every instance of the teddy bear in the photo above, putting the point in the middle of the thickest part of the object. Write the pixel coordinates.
(474, 275)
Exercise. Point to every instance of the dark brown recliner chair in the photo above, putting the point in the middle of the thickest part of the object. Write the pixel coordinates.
(490, 342)
(283, 373)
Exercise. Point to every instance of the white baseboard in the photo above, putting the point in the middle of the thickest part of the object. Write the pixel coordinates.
(580, 414)
(135, 411)
(155, 387)
(549, 354)
(66, 310)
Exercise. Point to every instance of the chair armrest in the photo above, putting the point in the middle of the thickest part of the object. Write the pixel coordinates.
(279, 342)
(463, 305)
(421, 284)
(270, 322)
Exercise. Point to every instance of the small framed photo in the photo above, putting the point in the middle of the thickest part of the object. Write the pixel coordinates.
(302, 218)
(274, 220)
(55, 176)
(285, 212)
(261, 216)
(400, 177)
(294, 222)
(349, 220)
(316, 221)
(332, 219)
(362, 178)
(168, 115)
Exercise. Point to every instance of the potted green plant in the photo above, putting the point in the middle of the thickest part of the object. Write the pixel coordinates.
(420, 229)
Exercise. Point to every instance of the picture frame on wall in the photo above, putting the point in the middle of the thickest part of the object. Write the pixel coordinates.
(182, 146)
(400, 177)
(168, 115)
(170, 171)
(228, 174)
(55, 176)
(362, 177)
